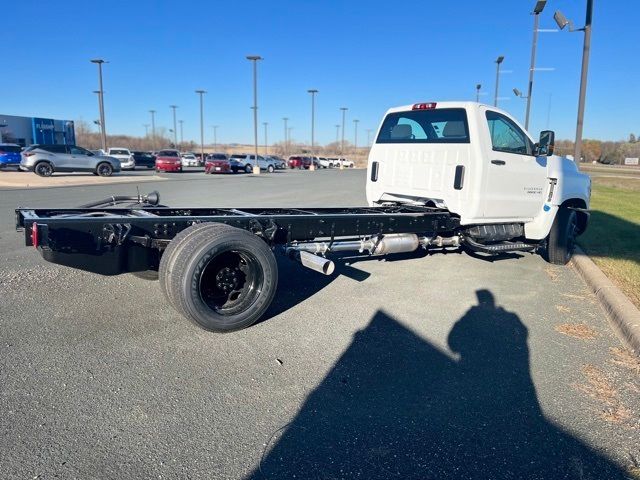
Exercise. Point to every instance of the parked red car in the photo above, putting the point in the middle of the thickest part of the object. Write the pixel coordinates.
(168, 161)
(218, 163)
(299, 162)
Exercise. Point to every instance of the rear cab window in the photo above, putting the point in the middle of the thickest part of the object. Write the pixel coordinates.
(439, 125)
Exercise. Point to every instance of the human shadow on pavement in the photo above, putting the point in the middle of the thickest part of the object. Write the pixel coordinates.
(396, 406)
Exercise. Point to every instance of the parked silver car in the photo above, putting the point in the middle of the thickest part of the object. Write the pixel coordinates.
(44, 160)
(246, 162)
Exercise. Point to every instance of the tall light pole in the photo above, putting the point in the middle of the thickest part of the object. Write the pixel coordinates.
(103, 128)
(153, 128)
(478, 87)
(286, 138)
(368, 137)
(181, 122)
(355, 137)
(215, 136)
(536, 17)
(201, 93)
(254, 59)
(175, 129)
(344, 113)
(146, 129)
(266, 139)
(562, 22)
(313, 92)
(499, 60)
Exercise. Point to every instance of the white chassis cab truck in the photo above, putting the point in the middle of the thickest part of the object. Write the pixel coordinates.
(445, 175)
(479, 164)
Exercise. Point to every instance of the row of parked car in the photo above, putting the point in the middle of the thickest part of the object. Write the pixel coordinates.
(44, 160)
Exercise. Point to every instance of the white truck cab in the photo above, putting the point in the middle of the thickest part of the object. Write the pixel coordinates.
(477, 162)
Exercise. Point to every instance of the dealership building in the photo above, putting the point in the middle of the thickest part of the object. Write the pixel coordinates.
(26, 131)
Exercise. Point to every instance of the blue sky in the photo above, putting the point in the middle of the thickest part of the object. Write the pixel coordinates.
(365, 55)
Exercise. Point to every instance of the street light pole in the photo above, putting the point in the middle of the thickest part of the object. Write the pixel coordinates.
(266, 139)
(181, 122)
(563, 22)
(478, 87)
(536, 17)
(146, 129)
(175, 129)
(368, 137)
(355, 140)
(254, 59)
(344, 113)
(499, 60)
(313, 92)
(153, 128)
(286, 138)
(201, 93)
(103, 128)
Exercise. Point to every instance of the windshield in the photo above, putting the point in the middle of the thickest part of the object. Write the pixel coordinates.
(168, 153)
(440, 125)
(118, 152)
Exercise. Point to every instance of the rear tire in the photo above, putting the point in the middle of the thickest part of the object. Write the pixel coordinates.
(43, 169)
(248, 169)
(562, 237)
(220, 277)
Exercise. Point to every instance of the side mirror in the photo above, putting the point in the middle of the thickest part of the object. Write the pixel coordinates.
(546, 144)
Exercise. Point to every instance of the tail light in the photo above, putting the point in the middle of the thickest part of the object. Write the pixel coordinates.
(34, 235)
(424, 106)
(28, 154)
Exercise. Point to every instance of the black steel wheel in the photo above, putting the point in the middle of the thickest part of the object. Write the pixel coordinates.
(562, 237)
(222, 278)
(104, 169)
(44, 169)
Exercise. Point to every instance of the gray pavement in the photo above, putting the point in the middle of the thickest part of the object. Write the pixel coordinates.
(428, 366)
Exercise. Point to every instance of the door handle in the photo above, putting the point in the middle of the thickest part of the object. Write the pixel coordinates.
(498, 162)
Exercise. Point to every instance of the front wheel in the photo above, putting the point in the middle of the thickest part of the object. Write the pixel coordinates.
(104, 170)
(562, 237)
(270, 169)
(220, 277)
(248, 168)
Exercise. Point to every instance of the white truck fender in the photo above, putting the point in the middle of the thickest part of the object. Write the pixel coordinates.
(566, 185)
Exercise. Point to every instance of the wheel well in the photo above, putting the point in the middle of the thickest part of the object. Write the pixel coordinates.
(583, 217)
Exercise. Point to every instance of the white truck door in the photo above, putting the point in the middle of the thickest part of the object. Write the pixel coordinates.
(516, 179)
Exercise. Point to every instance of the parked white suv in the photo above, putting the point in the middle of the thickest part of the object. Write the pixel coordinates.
(127, 162)
(189, 160)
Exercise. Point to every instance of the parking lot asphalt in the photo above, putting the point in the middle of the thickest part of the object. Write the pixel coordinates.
(422, 366)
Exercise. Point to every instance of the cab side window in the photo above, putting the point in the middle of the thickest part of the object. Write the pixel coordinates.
(506, 136)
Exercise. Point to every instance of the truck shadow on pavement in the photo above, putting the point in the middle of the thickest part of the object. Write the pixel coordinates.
(297, 283)
(396, 406)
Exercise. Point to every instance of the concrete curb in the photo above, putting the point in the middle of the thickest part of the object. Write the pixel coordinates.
(622, 314)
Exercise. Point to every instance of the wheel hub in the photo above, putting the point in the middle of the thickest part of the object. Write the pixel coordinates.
(228, 279)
